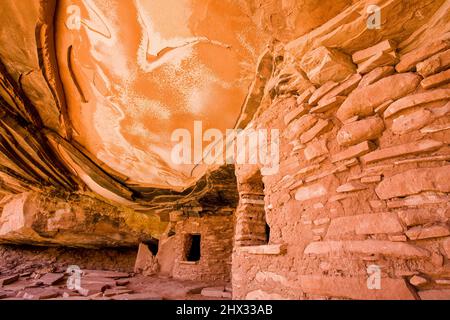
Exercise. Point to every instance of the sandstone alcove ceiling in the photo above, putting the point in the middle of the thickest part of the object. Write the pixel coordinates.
(92, 96)
(92, 92)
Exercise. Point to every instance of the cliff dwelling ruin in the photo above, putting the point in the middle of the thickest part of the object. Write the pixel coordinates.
(225, 149)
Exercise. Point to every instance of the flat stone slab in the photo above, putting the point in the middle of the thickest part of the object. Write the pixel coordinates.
(105, 274)
(138, 296)
(40, 294)
(215, 292)
(414, 182)
(356, 288)
(51, 278)
(8, 279)
(368, 247)
(272, 249)
(116, 291)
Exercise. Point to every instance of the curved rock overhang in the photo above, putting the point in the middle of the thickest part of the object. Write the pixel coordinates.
(92, 108)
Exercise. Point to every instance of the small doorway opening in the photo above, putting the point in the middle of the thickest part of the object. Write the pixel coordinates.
(153, 246)
(193, 244)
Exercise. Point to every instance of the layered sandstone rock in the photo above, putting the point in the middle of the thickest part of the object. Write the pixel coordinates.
(88, 110)
(366, 187)
(32, 218)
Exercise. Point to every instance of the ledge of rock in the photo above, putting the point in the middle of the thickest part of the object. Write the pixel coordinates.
(32, 218)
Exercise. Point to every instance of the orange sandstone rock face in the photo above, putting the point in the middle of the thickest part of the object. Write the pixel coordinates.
(134, 72)
(365, 185)
(30, 218)
(361, 195)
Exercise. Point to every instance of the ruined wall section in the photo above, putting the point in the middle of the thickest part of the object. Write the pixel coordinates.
(216, 244)
(364, 178)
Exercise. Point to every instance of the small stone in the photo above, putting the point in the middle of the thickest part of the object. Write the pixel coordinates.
(413, 121)
(304, 97)
(339, 197)
(359, 131)
(375, 75)
(418, 281)
(296, 185)
(414, 217)
(316, 130)
(50, 279)
(444, 282)
(378, 223)
(351, 187)
(435, 128)
(325, 64)
(436, 63)
(422, 146)
(326, 105)
(382, 108)
(321, 92)
(299, 126)
(321, 221)
(91, 289)
(382, 47)
(353, 152)
(410, 60)
(437, 259)
(315, 150)
(305, 170)
(105, 274)
(436, 231)
(310, 192)
(436, 80)
(40, 294)
(122, 282)
(379, 60)
(138, 296)
(272, 249)
(296, 113)
(343, 89)
(116, 291)
(352, 119)
(398, 238)
(318, 206)
(415, 100)
(8, 280)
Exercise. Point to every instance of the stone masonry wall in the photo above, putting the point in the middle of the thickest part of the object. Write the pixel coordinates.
(364, 177)
(216, 247)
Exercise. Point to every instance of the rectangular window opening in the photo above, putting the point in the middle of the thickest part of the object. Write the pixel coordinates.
(193, 244)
